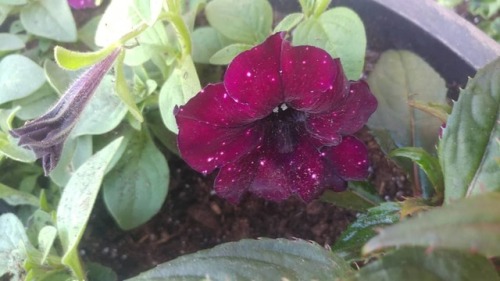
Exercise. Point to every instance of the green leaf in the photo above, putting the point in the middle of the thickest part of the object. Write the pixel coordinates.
(289, 22)
(19, 77)
(8, 144)
(265, 259)
(75, 152)
(228, 53)
(15, 197)
(13, 2)
(428, 163)
(38, 220)
(206, 42)
(49, 18)
(4, 12)
(181, 86)
(98, 272)
(418, 264)
(77, 201)
(341, 33)
(136, 188)
(245, 21)
(86, 33)
(468, 224)
(349, 245)
(59, 78)
(12, 254)
(10, 42)
(103, 113)
(398, 78)
(148, 10)
(123, 92)
(37, 103)
(359, 196)
(119, 19)
(73, 60)
(440, 111)
(46, 239)
(467, 150)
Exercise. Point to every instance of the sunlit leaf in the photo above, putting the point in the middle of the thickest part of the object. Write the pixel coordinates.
(15, 197)
(225, 55)
(19, 77)
(12, 254)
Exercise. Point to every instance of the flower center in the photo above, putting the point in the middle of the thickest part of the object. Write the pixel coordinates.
(283, 127)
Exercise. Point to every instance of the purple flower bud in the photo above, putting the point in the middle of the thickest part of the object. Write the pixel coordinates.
(46, 135)
(280, 124)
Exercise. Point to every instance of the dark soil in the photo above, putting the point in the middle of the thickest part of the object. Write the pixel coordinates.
(193, 218)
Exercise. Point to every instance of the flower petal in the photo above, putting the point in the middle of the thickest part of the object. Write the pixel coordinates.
(253, 77)
(82, 4)
(312, 80)
(305, 170)
(235, 178)
(206, 147)
(346, 118)
(349, 159)
(213, 105)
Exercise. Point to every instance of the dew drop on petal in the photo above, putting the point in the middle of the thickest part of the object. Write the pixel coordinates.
(249, 74)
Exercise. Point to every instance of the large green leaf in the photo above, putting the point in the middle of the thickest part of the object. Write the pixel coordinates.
(341, 33)
(12, 254)
(467, 151)
(469, 224)
(265, 259)
(289, 22)
(418, 264)
(49, 18)
(225, 55)
(359, 232)
(398, 78)
(181, 86)
(77, 201)
(135, 189)
(245, 21)
(19, 77)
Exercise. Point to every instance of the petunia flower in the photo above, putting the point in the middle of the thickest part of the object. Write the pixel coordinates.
(82, 4)
(46, 135)
(279, 125)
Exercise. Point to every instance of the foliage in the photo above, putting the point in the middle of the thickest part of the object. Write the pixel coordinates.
(448, 231)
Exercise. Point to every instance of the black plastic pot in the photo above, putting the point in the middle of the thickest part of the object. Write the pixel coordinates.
(452, 45)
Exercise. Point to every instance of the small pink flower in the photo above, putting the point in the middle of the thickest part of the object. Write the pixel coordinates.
(279, 125)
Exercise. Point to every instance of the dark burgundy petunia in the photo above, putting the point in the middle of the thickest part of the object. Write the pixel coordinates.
(46, 134)
(82, 4)
(280, 124)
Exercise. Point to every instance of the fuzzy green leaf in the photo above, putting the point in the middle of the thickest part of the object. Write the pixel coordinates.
(19, 77)
(135, 189)
(359, 232)
(245, 21)
(265, 259)
(467, 151)
(49, 18)
(417, 264)
(471, 224)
